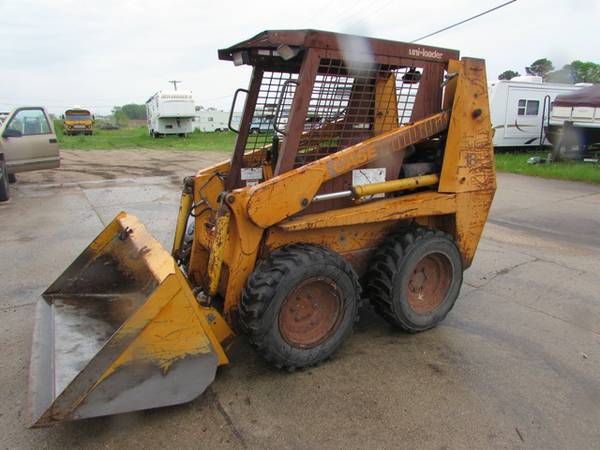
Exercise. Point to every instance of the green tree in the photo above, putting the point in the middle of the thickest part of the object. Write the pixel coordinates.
(584, 72)
(541, 68)
(132, 111)
(508, 75)
(135, 112)
(121, 118)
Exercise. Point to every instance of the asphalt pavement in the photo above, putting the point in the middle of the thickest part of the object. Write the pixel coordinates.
(515, 365)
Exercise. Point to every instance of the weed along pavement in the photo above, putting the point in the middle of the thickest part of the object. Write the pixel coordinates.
(515, 365)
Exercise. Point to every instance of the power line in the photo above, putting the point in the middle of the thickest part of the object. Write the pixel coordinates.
(368, 16)
(345, 20)
(464, 21)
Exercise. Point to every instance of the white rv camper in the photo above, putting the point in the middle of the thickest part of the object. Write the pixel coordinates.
(170, 112)
(211, 119)
(518, 111)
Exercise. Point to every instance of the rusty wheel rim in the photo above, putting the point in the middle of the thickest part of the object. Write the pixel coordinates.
(429, 283)
(311, 312)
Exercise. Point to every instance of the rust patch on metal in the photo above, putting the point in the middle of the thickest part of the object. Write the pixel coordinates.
(311, 312)
(429, 283)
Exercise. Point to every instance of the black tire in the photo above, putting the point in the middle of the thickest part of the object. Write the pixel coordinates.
(415, 279)
(12, 178)
(267, 304)
(4, 183)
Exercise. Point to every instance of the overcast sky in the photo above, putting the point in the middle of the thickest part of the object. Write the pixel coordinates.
(98, 54)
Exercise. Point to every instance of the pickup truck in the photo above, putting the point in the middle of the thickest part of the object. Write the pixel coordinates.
(27, 142)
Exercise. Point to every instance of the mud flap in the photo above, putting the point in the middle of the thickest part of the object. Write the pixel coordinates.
(120, 330)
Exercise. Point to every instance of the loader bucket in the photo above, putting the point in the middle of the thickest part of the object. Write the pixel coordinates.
(120, 330)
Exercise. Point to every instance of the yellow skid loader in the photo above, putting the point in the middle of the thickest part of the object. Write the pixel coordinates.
(363, 169)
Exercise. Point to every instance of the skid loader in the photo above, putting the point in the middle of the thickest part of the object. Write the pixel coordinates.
(363, 170)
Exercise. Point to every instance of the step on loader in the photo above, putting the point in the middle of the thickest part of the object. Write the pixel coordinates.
(363, 170)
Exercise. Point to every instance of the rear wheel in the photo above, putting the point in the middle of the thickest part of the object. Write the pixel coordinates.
(4, 186)
(299, 305)
(415, 279)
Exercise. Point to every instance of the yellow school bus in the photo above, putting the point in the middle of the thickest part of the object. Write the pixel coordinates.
(78, 121)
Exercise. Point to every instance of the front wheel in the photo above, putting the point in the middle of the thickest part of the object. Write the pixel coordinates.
(415, 279)
(299, 305)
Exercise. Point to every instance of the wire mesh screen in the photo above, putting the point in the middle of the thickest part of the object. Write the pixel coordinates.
(349, 103)
(273, 86)
(352, 102)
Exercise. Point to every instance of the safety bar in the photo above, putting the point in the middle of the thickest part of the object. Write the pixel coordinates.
(278, 109)
(233, 108)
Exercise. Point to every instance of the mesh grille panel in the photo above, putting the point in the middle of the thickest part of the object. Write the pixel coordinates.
(269, 95)
(348, 104)
(345, 101)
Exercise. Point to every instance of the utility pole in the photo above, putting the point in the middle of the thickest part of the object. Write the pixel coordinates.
(174, 83)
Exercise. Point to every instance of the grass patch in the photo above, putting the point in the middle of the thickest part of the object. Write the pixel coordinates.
(567, 170)
(140, 138)
(128, 138)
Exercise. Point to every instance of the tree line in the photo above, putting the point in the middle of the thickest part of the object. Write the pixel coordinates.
(131, 111)
(575, 72)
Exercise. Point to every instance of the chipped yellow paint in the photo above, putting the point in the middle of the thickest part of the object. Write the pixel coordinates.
(174, 333)
(217, 250)
(170, 324)
(469, 155)
(399, 208)
(471, 214)
(287, 194)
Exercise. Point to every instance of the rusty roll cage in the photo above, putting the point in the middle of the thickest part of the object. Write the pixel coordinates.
(313, 93)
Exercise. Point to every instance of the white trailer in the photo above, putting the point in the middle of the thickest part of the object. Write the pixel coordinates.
(211, 119)
(518, 108)
(170, 112)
